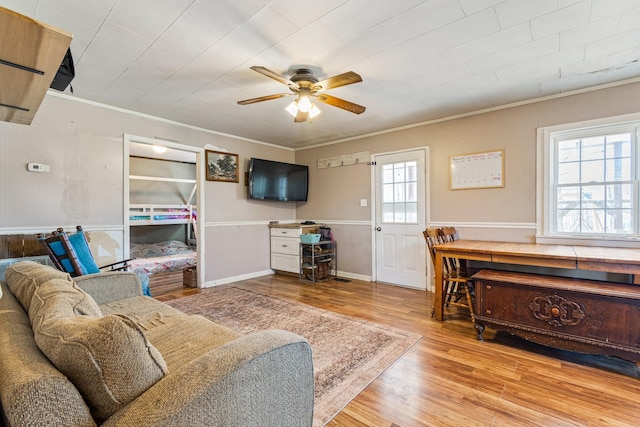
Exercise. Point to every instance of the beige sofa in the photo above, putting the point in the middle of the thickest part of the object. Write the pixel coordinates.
(93, 351)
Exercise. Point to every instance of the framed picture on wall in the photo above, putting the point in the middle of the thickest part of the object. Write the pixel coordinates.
(221, 166)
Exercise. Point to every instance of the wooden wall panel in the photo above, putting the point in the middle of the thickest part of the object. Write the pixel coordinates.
(4, 247)
(20, 245)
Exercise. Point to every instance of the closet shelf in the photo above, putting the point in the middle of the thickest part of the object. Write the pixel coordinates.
(161, 179)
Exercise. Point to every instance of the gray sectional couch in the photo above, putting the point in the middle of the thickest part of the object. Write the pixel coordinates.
(93, 351)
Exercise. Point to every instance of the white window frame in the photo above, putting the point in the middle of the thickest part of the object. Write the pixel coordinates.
(545, 197)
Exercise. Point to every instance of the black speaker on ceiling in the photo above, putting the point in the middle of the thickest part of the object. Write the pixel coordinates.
(65, 73)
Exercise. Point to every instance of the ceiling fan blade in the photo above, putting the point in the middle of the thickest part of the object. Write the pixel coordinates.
(263, 98)
(301, 117)
(267, 72)
(340, 80)
(341, 103)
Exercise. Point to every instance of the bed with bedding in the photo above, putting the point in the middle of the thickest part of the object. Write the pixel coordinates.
(161, 257)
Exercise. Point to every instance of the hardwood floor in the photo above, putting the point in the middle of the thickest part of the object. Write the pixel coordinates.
(449, 378)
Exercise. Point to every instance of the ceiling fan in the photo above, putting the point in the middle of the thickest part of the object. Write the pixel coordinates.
(308, 87)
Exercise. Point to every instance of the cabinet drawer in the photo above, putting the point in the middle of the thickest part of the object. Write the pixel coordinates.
(285, 245)
(283, 262)
(286, 232)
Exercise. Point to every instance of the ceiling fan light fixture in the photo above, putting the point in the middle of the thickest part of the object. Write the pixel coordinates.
(292, 109)
(304, 103)
(305, 85)
(314, 111)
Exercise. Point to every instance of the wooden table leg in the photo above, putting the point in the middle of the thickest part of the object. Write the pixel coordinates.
(438, 302)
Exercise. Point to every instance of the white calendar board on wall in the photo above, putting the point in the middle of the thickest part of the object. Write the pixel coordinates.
(477, 170)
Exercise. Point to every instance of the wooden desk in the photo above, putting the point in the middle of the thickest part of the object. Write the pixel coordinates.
(614, 260)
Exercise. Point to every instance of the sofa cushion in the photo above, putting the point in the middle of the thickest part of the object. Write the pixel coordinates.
(24, 277)
(32, 389)
(108, 358)
(182, 339)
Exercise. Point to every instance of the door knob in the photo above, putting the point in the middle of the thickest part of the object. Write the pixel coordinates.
(378, 228)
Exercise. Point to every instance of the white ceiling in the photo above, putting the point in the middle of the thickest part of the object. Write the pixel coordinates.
(188, 60)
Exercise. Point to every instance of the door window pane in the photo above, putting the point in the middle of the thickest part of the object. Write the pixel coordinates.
(399, 193)
(387, 212)
(387, 193)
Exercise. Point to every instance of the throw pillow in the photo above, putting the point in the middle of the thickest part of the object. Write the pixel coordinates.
(80, 246)
(24, 277)
(108, 358)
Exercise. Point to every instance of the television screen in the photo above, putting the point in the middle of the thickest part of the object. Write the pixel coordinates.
(270, 180)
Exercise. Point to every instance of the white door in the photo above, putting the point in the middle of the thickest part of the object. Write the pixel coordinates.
(400, 218)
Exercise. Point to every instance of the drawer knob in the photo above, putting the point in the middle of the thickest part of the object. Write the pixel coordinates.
(488, 287)
(487, 312)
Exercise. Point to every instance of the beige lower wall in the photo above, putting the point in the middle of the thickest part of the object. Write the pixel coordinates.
(354, 248)
(236, 250)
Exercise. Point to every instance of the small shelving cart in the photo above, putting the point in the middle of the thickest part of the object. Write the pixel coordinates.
(318, 260)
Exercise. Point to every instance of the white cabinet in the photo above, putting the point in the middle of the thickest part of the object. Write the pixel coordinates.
(285, 241)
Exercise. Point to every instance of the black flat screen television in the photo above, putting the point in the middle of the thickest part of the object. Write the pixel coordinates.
(271, 180)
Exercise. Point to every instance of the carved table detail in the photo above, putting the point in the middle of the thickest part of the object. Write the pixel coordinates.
(557, 311)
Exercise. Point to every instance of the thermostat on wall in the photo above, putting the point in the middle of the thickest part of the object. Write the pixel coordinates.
(37, 167)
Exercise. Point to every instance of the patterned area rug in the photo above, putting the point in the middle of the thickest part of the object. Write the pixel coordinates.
(348, 353)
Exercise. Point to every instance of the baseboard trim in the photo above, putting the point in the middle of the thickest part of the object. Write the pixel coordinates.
(256, 274)
(232, 279)
(347, 275)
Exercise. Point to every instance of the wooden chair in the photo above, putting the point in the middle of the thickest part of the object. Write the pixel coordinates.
(458, 285)
(433, 236)
(455, 281)
(71, 253)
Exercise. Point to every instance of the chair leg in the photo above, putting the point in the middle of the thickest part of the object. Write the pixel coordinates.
(449, 289)
(458, 293)
(445, 293)
(467, 292)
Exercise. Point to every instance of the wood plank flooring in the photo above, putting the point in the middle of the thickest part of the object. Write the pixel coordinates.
(449, 378)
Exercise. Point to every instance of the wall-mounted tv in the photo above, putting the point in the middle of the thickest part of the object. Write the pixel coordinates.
(270, 180)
